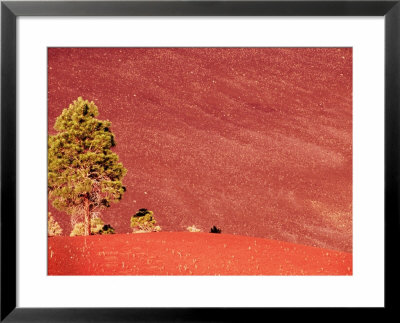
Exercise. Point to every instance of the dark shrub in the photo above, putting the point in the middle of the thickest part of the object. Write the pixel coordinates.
(107, 229)
(214, 229)
(142, 212)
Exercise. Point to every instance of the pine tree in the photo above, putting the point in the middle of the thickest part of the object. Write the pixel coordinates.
(84, 175)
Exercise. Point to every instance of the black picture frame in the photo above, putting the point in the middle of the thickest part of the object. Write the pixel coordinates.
(10, 10)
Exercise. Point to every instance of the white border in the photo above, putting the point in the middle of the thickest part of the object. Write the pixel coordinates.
(364, 288)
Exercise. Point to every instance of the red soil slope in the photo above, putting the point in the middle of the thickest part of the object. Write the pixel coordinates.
(185, 253)
(255, 141)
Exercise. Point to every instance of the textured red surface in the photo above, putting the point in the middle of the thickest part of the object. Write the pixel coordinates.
(255, 141)
(185, 253)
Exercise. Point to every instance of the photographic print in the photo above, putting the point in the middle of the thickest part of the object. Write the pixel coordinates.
(200, 161)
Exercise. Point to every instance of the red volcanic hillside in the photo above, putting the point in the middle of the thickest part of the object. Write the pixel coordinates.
(185, 253)
(257, 141)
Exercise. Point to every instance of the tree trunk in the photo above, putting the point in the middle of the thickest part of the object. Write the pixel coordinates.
(87, 217)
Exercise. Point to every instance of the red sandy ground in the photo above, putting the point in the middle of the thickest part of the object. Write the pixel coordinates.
(257, 141)
(186, 253)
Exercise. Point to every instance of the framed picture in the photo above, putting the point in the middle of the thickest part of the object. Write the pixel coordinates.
(245, 153)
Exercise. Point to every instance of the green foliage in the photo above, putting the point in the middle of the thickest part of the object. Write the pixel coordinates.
(143, 221)
(53, 228)
(78, 230)
(83, 173)
(107, 229)
(97, 227)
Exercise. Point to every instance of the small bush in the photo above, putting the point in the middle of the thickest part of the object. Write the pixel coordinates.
(214, 229)
(193, 229)
(97, 226)
(53, 228)
(107, 229)
(143, 221)
(78, 230)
